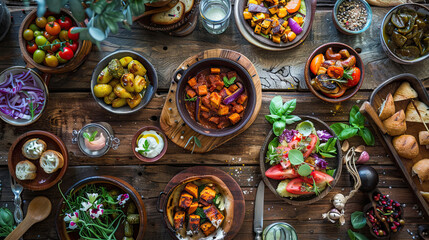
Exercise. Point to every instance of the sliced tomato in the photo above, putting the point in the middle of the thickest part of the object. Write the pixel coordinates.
(311, 146)
(296, 186)
(319, 177)
(277, 172)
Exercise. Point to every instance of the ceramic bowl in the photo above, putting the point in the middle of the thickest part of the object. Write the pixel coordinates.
(150, 90)
(346, 31)
(192, 71)
(40, 83)
(134, 144)
(309, 75)
(417, 7)
(43, 180)
(109, 182)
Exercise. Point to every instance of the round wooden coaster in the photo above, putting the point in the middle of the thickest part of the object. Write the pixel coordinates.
(176, 129)
(237, 193)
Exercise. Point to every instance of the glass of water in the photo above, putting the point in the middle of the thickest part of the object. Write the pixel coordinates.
(215, 15)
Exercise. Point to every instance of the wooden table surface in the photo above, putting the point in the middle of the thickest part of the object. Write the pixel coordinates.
(71, 106)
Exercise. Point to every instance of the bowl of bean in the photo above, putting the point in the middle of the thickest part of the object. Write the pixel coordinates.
(352, 17)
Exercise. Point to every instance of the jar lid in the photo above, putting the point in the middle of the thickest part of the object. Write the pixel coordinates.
(279, 231)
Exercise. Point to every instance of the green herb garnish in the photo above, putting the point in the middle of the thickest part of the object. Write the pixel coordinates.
(195, 142)
(356, 236)
(189, 99)
(358, 220)
(90, 137)
(328, 149)
(228, 82)
(145, 147)
(280, 114)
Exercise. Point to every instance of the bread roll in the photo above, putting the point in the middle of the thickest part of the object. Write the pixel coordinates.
(25, 170)
(421, 168)
(395, 125)
(406, 146)
(424, 138)
(51, 161)
(188, 5)
(404, 92)
(387, 109)
(33, 148)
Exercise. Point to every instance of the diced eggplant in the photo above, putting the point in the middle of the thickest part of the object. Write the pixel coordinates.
(179, 220)
(254, 8)
(214, 215)
(194, 223)
(208, 194)
(276, 29)
(185, 200)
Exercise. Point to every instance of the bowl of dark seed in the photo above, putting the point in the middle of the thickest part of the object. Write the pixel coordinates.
(352, 17)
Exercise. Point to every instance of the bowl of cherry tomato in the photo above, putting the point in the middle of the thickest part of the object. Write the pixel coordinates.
(49, 43)
(334, 72)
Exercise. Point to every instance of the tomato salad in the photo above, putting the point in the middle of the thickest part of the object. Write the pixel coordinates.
(334, 72)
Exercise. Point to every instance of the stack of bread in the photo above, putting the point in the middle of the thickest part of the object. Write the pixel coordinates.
(36, 149)
(168, 12)
(395, 123)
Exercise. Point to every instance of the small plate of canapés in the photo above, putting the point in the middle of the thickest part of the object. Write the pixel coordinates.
(149, 144)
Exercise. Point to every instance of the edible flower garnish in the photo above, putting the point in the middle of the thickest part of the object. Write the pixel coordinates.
(72, 219)
(85, 206)
(123, 198)
(96, 212)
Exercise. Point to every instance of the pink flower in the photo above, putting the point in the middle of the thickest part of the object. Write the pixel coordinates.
(96, 212)
(123, 198)
(73, 219)
(85, 206)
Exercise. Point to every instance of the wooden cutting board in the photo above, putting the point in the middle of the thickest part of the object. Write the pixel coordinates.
(173, 125)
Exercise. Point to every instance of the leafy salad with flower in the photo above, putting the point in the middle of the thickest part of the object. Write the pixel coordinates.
(298, 157)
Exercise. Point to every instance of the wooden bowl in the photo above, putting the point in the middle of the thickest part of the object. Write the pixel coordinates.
(346, 31)
(18, 70)
(43, 180)
(309, 75)
(134, 144)
(248, 33)
(332, 162)
(192, 71)
(79, 56)
(150, 90)
(420, 9)
(108, 182)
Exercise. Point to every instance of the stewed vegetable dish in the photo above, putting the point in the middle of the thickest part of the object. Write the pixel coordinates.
(216, 98)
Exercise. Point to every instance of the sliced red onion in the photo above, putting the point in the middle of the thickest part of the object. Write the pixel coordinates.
(231, 98)
(197, 110)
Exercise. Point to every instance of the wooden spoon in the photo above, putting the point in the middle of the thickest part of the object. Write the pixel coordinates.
(367, 109)
(165, 8)
(38, 210)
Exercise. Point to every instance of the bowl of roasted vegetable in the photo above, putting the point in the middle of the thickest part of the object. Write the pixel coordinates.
(334, 72)
(100, 207)
(199, 207)
(124, 82)
(215, 96)
(275, 25)
(404, 33)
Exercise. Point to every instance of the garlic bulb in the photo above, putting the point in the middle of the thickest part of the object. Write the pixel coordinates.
(339, 201)
(333, 215)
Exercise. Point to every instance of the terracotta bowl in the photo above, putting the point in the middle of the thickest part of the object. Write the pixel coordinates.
(346, 31)
(39, 81)
(134, 144)
(79, 56)
(109, 182)
(309, 75)
(182, 76)
(150, 90)
(332, 162)
(43, 180)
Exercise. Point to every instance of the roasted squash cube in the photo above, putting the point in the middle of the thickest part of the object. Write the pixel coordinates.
(185, 200)
(241, 99)
(215, 70)
(233, 88)
(202, 90)
(247, 15)
(273, 9)
(238, 108)
(266, 23)
(252, 23)
(223, 110)
(252, 2)
(215, 99)
(214, 120)
(192, 208)
(179, 220)
(192, 82)
(192, 189)
(204, 109)
(235, 117)
(207, 228)
(191, 93)
(194, 223)
(276, 39)
(261, 16)
(267, 30)
(214, 215)
(208, 194)
(282, 12)
(258, 29)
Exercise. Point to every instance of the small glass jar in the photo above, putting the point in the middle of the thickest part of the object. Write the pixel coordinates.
(279, 231)
(215, 15)
(101, 128)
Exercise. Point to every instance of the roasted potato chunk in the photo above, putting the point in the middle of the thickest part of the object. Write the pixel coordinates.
(185, 200)
(125, 60)
(213, 214)
(104, 76)
(179, 220)
(121, 92)
(119, 102)
(102, 90)
(193, 207)
(115, 68)
(194, 223)
(140, 83)
(136, 68)
(114, 82)
(109, 99)
(208, 194)
(127, 81)
(133, 102)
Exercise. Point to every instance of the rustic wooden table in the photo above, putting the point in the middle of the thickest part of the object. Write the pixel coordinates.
(71, 106)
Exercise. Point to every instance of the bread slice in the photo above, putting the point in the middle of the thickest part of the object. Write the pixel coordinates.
(25, 170)
(33, 148)
(404, 92)
(387, 109)
(51, 161)
(412, 115)
(421, 169)
(169, 17)
(188, 5)
(424, 137)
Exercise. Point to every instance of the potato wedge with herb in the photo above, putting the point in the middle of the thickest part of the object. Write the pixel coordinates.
(104, 76)
(109, 98)
(140, 83)
(136, 100)
(119, 102)
(127, 81)
(115, 68)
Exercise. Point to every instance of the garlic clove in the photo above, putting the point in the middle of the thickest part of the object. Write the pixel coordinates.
(363, 158)
(345, 146)
(360, 148)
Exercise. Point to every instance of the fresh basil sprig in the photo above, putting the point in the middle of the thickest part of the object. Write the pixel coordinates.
(90, 137)
(228, 82)
(189, 99)
(356, 236)
(280, 114)
(328, 149)
(145, 147)
(358, 220)
(356, 127)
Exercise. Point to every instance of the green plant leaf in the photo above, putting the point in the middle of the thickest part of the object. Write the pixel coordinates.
(97, 34)
(77, 10)
(197, 141)
(78, 30)
(86, 135)
(356, 236)
(99, 6)
(288, 107)
(358, 220)
(272, 118)
(330, 172)
(54, 5)
(276, 105)
(274, 143)
(278, 127)
(304, 170)
(356, 118)
(367, 136)
(348, 133)
(292, 118)
(339, 127)
(93, 136)
(305, 128)
(295, 157)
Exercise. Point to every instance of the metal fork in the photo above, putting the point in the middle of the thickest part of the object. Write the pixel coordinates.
(17, 190)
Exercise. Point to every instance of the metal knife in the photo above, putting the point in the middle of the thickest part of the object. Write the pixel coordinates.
(258, 219)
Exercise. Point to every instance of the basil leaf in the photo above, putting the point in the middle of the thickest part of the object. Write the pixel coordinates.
(367, 136)
(356, 118)
(278, 127)
(327, 155)
(295, 157)
(288, 107)
(272, 118)
(339, 127)
(276, 105)
(305, 128)
(358, 220)
(348, 133)
(304, 170)
(330, 172)
(292, 118)
(274, 143)
(356, 236)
